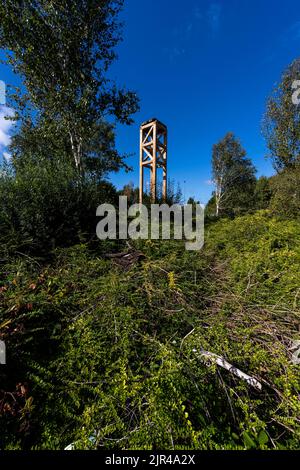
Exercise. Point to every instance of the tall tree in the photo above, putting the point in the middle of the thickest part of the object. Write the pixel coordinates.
(281, 124)
(286, 193)
(263, 193)
(233, 176)
(62, 51)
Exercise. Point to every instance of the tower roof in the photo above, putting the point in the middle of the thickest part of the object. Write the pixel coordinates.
(152, 120)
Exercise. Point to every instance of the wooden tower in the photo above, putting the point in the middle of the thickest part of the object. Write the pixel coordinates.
(153, 155)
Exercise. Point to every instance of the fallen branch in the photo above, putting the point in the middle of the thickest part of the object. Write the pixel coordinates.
(220, 361)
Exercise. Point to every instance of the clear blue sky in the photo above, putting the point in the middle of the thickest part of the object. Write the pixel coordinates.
(203, 67)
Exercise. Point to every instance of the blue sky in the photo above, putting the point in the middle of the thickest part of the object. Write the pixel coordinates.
(203, 67)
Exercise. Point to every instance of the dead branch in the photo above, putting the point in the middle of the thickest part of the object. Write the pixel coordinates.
(220, 361)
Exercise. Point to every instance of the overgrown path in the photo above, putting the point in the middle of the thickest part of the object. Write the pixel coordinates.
(110, 349)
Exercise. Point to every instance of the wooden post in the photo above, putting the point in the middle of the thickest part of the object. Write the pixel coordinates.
(165, 167)
(141, 169)
(153, 166)
(153, 155)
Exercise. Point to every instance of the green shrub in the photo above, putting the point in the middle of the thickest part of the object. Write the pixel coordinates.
(115, 354)
(44, 204)
(286, 193)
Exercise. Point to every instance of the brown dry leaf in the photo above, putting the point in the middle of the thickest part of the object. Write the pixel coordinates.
(22, 389)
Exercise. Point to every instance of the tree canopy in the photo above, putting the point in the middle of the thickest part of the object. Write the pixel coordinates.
(62, 51)
(233, 175)
(281, 125)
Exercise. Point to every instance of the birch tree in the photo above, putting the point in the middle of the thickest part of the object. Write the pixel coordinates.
(62, 51)
(233, 174)
(281, 124)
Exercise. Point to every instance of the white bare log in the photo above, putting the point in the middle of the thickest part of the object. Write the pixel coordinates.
(220, 361)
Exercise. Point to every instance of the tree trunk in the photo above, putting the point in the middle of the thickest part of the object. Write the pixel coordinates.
(218, 193)
(76, 144)
(218, 200)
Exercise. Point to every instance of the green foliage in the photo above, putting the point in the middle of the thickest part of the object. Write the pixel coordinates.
(115, 354)
(46, 141)
(234, 177)
(263, 193)
(286, 192)
(281, 124)
(210, 210)
(264, 257)
(45, 204)
(192, 201)
(106, 357)
(174, 194)
(62, 51)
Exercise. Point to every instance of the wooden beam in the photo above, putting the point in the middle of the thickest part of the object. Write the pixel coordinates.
(165, 170)
(150, 155)
(148, 144)
(153, 171)
(145, 126)
(141, 189)
(147, 162)
(147, 135)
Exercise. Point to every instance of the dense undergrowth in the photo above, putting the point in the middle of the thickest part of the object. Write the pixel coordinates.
(96, 350)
